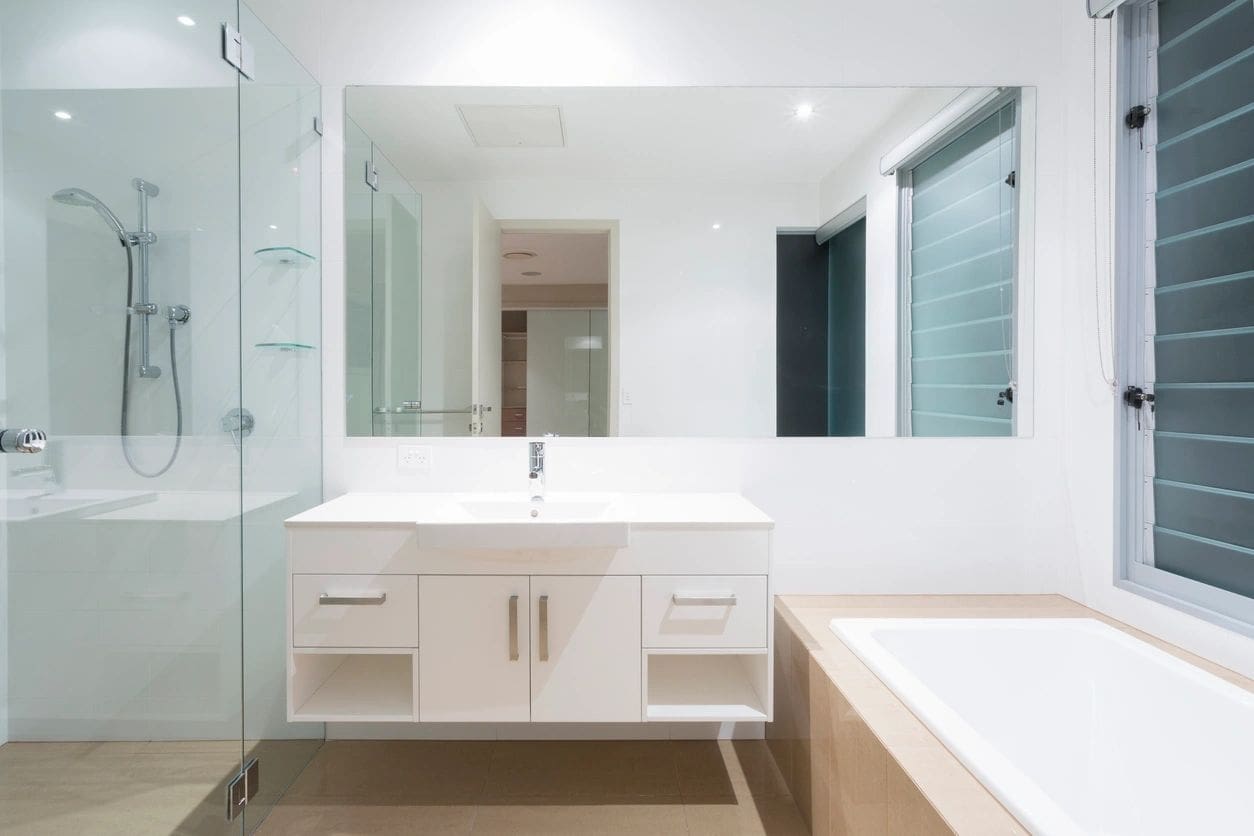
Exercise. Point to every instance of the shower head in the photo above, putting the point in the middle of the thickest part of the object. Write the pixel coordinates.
(82, 197)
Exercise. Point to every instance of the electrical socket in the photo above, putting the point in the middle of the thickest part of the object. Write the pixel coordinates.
(413, 458)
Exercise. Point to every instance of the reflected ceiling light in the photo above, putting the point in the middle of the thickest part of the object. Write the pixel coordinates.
(716, 226)
(185, 20)
(516, 255)
(804, 111)
(531, 274)
(274, 226)
(63, 115)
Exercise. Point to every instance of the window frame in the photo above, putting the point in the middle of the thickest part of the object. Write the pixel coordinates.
(1022, 282)
(1136, 80)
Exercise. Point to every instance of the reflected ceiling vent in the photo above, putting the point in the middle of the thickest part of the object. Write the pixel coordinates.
(514, 126)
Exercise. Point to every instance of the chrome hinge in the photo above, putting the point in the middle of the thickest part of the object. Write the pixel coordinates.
(318, 125)
(243, 788)
(372, 176)
(237, 51)
(1011, 180)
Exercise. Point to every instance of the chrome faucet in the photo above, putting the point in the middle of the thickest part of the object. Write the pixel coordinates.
(535, 468)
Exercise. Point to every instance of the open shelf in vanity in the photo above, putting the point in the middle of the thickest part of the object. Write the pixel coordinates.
(329, 686)
(706, 685)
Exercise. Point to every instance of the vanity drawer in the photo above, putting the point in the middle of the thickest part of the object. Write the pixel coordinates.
(355, 610)
(704, 611)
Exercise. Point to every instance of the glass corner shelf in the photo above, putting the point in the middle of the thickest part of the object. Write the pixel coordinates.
(285, 255)
(286, 346)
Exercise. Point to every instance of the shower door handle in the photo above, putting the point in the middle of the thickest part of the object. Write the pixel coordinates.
(23, 441)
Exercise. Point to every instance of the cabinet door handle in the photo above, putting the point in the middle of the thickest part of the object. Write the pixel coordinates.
(544, 628)
(682, 599)
(513, 628)
(372, 599)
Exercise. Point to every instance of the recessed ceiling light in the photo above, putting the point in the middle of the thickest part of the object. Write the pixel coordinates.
(804, 111)
(518, 254)
(185, 20)
(61, 114)
(531, 274)
(716, 226)
(274, 226)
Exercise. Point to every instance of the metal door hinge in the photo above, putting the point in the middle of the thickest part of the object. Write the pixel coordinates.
(1011, 180)
(237, 51)
(243, 788)
(372, 176)
(318, 125)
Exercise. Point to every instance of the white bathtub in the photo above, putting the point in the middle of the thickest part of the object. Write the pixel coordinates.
(1074, 726)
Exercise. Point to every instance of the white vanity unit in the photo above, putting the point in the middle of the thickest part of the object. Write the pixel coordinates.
(583, 608)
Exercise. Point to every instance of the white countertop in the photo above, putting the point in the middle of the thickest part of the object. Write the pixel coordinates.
(659, 510)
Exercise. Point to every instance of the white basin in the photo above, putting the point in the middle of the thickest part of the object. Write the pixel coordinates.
(515, 522)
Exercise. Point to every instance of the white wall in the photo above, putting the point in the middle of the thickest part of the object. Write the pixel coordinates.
(884, 515)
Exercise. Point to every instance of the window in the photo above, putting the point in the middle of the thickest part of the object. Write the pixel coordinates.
(1186, 305)
(959, 223)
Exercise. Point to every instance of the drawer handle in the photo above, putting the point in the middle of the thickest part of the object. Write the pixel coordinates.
(544, 628)
(682, 599)
(373, 599)
(513, 628)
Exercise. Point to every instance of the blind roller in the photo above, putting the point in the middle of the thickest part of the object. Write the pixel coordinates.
(1203, 348)
(961, 283)
(1103, 8)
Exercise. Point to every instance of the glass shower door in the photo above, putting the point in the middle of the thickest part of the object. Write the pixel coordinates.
(120, 561)
(281, 379)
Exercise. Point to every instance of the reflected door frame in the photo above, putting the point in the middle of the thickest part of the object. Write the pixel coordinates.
(592, 226)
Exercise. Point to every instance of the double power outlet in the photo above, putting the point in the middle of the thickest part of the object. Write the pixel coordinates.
(413, 458)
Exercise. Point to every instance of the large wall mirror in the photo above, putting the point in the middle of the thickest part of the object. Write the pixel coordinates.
(657, 261)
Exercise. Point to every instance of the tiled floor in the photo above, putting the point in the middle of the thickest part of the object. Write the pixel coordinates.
(158, 788)
(551, 788)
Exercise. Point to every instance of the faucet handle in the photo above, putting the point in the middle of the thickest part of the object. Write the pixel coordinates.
(23, 441)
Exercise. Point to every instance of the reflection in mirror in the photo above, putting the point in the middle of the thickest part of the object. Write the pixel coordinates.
(686, 261)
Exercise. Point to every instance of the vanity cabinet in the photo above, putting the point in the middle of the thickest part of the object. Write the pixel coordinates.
(387, 622)
(475, 663)
(585, 656)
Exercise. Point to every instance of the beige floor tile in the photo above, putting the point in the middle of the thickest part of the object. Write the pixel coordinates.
(759, 817)
(448, 772)
(602, 771)
(582, 820)
(347, 817)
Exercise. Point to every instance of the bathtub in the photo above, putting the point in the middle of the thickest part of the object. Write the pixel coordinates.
(1075, 726)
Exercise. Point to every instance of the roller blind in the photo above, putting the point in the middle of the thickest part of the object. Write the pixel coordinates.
(1102, 8)
(961, 277)
(1202, 351)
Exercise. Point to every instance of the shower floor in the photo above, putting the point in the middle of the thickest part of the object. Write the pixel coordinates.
(158, 787)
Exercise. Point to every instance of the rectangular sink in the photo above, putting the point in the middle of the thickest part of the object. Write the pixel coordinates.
(511, 523)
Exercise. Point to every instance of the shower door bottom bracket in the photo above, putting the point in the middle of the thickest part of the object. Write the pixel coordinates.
(242, 788)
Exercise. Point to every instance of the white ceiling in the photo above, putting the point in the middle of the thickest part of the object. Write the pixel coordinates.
(561, 257)
(641, 133)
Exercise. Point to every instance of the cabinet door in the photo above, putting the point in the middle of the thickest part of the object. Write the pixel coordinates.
(473, 649)
(585, 649)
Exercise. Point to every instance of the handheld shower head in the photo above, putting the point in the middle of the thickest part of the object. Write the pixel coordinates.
(82, 197)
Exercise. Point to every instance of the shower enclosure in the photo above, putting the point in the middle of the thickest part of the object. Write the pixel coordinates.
(159, 242)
